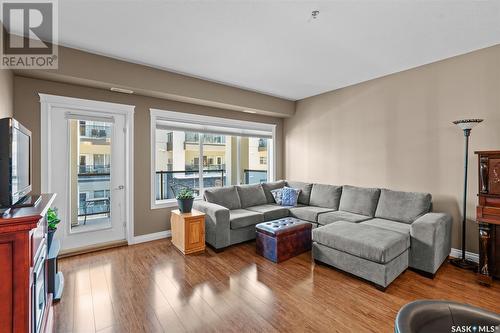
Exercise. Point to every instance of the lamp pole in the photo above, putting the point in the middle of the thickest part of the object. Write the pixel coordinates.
(466, 125)
(464, 208)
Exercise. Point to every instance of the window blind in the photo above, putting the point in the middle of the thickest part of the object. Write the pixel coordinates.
(77, 116)
(247, 131)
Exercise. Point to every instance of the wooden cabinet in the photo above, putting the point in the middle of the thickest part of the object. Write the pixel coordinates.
(188, 231)
(488, 215)
(25, 304)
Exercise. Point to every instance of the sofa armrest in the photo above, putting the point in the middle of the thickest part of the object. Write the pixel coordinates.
(217, 225)
(430, 241)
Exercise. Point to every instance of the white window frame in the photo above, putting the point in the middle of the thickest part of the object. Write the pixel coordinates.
(202, 120)
(49, 102)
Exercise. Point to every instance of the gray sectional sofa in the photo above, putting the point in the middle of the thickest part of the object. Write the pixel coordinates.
(370, 232)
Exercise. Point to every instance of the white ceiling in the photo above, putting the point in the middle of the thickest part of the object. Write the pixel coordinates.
(274, 46)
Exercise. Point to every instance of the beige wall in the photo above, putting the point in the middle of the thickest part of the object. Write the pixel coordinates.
(87, 69)
(396, 132)
(6, 93)
(27, 111)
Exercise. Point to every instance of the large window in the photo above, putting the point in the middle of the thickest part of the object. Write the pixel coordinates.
(200, 152)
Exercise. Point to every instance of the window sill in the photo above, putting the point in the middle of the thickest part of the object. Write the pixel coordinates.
(164, 204)
(169, 203)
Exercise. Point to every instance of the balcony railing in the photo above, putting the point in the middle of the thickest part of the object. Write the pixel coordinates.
(255, 176)
(216, 167)
(207, 138)
(92, 182)
(166, 180)
(95, 131)
(93, 169)
(96, 206)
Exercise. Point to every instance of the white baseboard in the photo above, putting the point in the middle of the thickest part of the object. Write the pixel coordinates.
(151, 237)
(457, 253)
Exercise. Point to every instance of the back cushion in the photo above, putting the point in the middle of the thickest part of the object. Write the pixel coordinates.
(359, 200)
(251, 195)
(402, 206)
(224, 196)
(268, 187)
(327, 196)
(305, 192)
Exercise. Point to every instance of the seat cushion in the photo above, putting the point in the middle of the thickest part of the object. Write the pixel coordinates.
(225, 196)
(339, 215)
(305, 192)
(389, 225)
(268, 187)
(327, 196)
(359, 200)
(270, 211)
(308, 213)
(402, 206)
(240, 218)
(251, 195)
(364, 241)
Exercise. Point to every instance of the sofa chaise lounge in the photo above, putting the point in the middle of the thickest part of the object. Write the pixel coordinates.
(353, 226)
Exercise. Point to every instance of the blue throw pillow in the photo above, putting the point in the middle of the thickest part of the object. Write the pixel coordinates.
(277, 195)
(289, 196)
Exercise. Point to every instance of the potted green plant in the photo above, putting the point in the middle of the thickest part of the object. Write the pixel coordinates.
(52, 222)
(185, 198)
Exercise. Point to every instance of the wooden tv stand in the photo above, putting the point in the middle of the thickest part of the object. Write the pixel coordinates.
(23, 253)
(488, 216)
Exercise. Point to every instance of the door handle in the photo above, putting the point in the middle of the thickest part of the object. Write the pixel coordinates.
(120, 187)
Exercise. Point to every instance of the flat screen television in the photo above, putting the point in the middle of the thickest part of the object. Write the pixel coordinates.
(15, 163)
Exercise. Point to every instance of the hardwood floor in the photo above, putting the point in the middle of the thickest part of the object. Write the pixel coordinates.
(151, 287)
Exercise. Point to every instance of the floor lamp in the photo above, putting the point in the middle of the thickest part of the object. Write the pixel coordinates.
(466, 125)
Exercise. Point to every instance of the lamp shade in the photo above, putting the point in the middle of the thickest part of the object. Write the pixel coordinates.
(467, 123)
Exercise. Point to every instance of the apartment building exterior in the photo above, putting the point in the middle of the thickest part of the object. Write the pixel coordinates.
(223, 160)
(93, 143)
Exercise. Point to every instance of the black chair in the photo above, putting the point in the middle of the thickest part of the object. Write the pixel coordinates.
(440, 316)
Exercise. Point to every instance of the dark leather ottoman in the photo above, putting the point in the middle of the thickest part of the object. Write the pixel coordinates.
(282, 239)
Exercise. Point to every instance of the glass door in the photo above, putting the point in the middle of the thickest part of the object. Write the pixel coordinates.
(88, 174)
(90, 169)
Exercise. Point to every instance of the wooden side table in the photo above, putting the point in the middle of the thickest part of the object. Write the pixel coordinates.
(188, 231)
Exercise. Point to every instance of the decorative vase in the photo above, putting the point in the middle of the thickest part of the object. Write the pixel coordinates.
(50, 236)
(185, 205)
